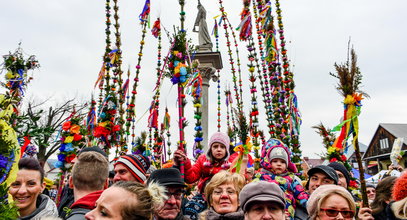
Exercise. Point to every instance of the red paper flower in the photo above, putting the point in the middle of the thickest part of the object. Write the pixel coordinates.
(343, 157)
(116, 128)
(66, 126)
(112, 112)
(77, 137)
(69, 158)
(333, 160)
(353, 184)
(100, 131)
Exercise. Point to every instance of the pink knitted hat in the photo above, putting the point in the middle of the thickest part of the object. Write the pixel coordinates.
(222, 138)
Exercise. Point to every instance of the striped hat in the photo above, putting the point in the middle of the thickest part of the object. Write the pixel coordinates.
(137, 165)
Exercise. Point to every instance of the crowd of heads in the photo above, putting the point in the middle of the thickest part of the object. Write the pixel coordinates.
(136, 190)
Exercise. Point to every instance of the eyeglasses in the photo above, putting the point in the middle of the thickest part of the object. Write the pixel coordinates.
(334, 213)
(176, 194)
(370, 191)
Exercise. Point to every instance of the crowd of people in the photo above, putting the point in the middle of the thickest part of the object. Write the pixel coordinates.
(137, 190)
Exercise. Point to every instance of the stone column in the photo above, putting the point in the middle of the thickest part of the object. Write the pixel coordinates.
(207, 74)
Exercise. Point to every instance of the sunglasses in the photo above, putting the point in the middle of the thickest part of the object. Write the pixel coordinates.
(334, 213)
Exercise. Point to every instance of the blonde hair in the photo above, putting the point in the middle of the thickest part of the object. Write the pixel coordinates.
(147, 199)
(325, 195)
(224, 177)
(90, 171)
(399, 208)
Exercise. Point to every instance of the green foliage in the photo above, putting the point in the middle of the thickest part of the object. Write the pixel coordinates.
(243, 127)
(8, 211)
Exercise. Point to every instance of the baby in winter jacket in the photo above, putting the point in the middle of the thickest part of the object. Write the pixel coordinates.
(278, 168)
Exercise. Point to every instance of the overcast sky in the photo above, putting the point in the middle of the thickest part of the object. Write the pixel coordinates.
(68, 39)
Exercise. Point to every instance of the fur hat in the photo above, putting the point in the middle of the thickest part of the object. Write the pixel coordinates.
(137, 164)
(218, 137)
(400, 187)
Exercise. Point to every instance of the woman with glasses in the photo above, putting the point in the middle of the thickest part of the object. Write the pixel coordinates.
(222, 196)
(331, 202)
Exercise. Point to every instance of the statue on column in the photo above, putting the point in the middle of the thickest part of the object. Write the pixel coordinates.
(204, 37)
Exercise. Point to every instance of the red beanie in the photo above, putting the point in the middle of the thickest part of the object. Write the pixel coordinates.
(400, 187)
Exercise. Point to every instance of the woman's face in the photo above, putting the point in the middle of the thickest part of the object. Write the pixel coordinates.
(110, 204)
(25, 190)
(218, 150)
(335, 207)
(224, 199)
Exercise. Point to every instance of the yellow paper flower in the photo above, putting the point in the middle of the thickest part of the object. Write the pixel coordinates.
(238, 148)
(68, 139)
(349, 100)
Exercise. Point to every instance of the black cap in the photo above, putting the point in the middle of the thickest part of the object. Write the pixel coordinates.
(341, 168)
(167, 177)
(329, 171)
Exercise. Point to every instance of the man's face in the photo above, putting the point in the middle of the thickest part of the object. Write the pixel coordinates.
(265, 210)
(172, 206)
(318, 179)
(342, 179)
(122, 174)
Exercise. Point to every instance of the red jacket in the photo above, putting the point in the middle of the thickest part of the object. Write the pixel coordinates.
(203, 170)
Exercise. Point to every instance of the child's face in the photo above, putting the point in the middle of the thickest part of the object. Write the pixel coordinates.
(218, 150)
(278, 165)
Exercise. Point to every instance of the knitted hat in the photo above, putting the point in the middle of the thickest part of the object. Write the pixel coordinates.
(261, 191)
(329, 171)
(137, 165)
(268, 153)
(195, 206)
(278, 152)
(167, 177)
(319, 193)
(400, 187)
(341, 168)
(219, 137)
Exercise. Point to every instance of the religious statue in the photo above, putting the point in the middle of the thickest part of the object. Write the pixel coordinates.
(203, 33)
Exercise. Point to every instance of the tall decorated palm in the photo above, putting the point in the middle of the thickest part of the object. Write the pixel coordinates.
(350, 78)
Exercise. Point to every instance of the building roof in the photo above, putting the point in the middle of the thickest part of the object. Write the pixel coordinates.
(398, 130)
(313, 162)
(351, 149)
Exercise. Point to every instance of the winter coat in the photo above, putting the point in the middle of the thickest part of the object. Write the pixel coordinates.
(45, 207)
(210, 214)
(83, 206)
(293, 190)
(203, 170)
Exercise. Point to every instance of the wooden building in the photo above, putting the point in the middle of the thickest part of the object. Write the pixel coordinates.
(377, 155)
